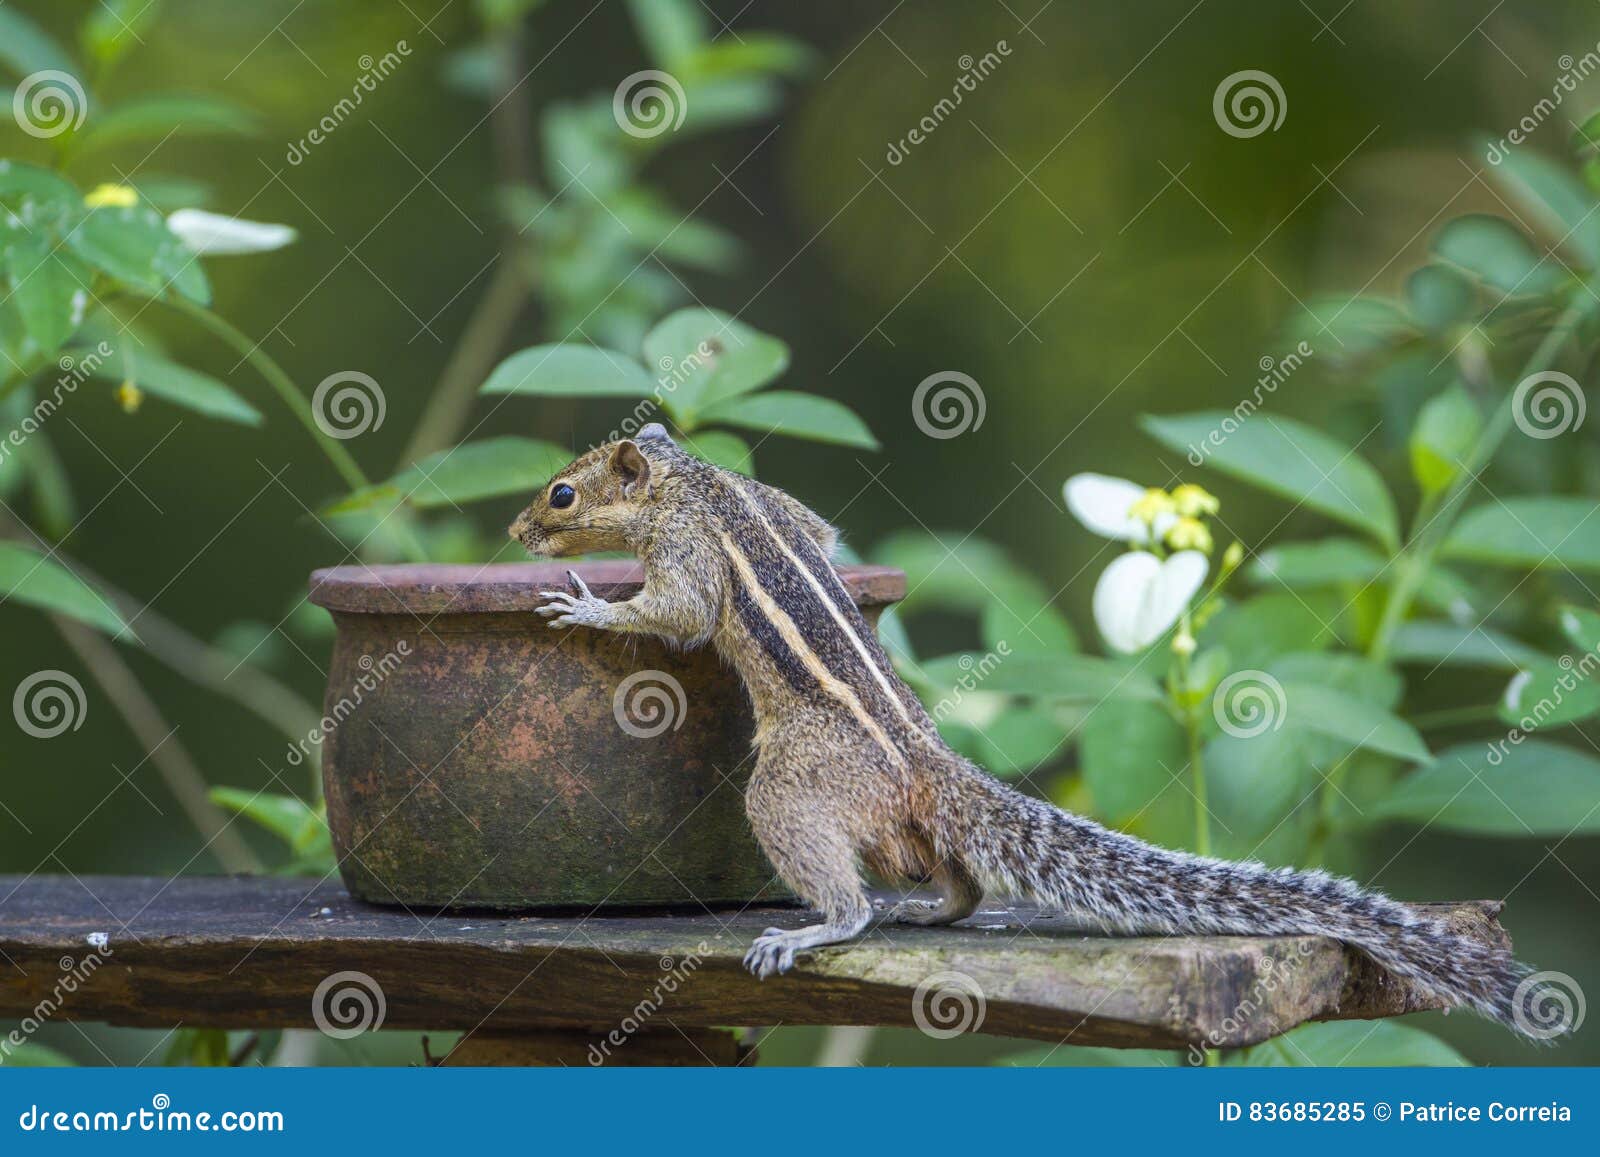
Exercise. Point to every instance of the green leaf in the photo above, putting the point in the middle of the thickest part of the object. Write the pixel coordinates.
(1288, 458)
(1254, 780)
(1017, 740)
(1130, 752)
(27, 576)
(1436, 642)
(181, 386)
(673, 30)
(1530, 532)
(1322, 563)
(292, 820)
(570, 370)
(1041, 630)
(25, 186)
(25, 48)
(1440, 297)
(29, 1055)
(50, 288)
(751, 52)
(1352, 675)
(1512, 786)
(112, 27)
(582, 147)
(1580, 626)
(795, 414)
(155, 118)
(1350, 327)
(704, 356)
(1350, 1044)
(1494, 251)
(1445, 433)
(477, 470)
(1333, 713)
(1071, 678)
(663, 230)
(1560, 207)
(727, 101)
(1276, 623)
(721, 448)
(53, 503)
(1552, 693)
(134, 245)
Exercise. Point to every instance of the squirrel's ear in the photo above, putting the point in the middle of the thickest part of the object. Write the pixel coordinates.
(628, 464)
(654, 432)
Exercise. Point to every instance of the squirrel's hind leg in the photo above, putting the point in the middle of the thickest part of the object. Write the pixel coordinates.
(959, 897)
(814, 857)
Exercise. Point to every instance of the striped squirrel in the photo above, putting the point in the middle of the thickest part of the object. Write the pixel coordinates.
(851, 773)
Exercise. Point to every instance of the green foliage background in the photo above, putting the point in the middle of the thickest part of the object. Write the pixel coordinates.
(1079, 237)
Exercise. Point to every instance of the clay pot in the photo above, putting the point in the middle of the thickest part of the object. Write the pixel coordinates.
(474, 757)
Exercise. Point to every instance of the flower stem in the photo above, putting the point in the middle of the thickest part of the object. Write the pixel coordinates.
(1197, 767)
(280, 381)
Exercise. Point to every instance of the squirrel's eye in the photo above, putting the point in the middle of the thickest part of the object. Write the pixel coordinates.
(561, 496)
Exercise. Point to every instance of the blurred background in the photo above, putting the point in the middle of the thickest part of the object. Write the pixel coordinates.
(1079, 236)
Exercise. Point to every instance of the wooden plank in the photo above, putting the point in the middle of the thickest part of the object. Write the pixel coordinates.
(251, 953)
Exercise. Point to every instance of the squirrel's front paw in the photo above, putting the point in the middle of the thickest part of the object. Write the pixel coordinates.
(582, 609)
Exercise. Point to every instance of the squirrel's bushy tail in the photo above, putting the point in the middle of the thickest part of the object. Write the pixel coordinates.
(1025, 847)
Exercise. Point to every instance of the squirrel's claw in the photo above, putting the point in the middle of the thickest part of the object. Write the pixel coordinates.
(771, 954)
(566, 609)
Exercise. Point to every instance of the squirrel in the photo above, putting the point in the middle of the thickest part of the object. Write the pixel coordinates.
(851, 773)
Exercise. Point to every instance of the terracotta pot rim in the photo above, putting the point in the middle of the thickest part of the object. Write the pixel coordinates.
(492, 588)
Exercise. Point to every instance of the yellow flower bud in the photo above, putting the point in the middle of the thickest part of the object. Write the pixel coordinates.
(1233, 556)
(1192, 501)
(1189, 534)
(111, 197)
(1154, 503)
(1183, 644)
(129, 396)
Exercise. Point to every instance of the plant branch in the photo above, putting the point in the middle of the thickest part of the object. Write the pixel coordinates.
(280, 381)
(1436, 513)
(474, 356)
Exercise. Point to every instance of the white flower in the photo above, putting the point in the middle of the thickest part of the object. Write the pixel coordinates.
(214, 234)
(1104, 504)
(1140, 596)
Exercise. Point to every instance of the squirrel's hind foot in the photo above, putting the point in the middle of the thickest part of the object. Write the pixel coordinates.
(773, 952)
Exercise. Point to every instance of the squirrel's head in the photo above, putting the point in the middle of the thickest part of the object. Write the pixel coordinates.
(597, 502)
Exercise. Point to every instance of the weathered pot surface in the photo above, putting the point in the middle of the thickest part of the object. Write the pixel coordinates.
(478, 758)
